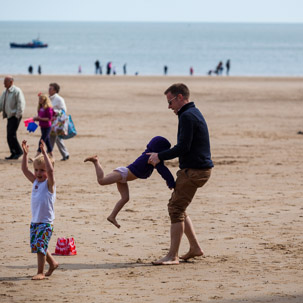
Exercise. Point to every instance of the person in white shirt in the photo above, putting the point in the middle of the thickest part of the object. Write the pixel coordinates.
(12, 105)
(42, 205)
(58, 104)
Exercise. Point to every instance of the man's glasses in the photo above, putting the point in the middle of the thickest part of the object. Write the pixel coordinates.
(171, 100)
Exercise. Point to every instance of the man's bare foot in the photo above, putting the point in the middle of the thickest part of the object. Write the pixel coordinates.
(166, 261)
(38, 277)
(113, 221)
(92, 159)
(51, 269)
(192, 254)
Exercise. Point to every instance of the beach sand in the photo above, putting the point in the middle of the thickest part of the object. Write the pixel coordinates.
(248, 217)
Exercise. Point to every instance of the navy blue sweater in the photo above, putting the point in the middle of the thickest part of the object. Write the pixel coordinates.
(193, 147)
(141, 169)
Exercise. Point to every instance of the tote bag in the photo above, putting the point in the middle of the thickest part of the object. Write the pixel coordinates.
(71, 131)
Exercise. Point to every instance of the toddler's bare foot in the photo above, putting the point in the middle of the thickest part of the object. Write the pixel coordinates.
(166, 261)
(51, 269)
(113, 221)
(92, 159)
(38, 277)
(192, 253)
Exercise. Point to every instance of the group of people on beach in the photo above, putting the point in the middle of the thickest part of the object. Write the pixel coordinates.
(220, 68)
(12, 106)
(110, 69)
(192, 150)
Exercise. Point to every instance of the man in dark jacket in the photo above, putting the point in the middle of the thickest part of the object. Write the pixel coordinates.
(193, 151)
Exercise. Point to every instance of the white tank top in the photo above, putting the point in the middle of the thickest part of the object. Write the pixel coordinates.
(42, 203)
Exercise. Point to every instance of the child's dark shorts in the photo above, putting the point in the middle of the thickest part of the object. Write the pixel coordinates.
(40, 234)
(187, 183)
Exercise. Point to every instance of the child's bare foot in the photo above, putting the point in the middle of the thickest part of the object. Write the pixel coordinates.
(113, 221)
(51, 269)
(192, 253)
(38, 277)
(92, 159)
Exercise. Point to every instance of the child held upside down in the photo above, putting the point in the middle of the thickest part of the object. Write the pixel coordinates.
(138, 169)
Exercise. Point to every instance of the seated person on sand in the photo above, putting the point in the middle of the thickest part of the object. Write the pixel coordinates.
(138, 169)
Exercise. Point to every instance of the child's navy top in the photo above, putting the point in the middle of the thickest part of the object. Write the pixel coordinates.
(141, 169)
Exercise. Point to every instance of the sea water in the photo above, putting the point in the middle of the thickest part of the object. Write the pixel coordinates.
(145, 48)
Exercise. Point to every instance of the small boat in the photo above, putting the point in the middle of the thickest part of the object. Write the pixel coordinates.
(36, 43)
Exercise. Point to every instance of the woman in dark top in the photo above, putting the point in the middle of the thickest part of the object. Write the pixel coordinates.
(138, 169)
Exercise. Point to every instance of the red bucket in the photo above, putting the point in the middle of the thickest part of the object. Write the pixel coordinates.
(65, 247)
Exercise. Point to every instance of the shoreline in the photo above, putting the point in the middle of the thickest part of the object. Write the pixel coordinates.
(156, 76)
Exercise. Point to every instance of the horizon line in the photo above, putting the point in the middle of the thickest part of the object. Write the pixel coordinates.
(159, 21)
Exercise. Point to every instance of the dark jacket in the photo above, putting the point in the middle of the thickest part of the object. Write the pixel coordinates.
(141, 169)
(193, 147)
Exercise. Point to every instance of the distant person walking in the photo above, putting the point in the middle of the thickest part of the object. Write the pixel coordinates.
(39, 70)
(191, 71)
(227, 65)
(124, 69)
(219, 68)
(165, 70)
(109, 68)
(58, 104)
(12, 105)
(97, 66)
(30, 69)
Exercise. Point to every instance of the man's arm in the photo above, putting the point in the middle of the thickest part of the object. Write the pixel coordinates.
(20, 104)
(166, 175)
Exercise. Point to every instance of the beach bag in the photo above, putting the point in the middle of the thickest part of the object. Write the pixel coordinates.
(60, 124)
(65, 247)
(71, 131)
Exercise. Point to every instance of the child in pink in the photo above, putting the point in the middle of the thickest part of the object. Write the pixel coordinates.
(45, 115)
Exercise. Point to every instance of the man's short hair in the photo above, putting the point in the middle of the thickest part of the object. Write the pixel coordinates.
(56, 87)
(178, 88)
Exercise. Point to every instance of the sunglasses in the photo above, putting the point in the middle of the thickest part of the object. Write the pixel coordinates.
(171, 100)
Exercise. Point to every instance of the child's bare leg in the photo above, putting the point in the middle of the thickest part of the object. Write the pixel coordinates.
(53, 264)
(41, 263)
(124, 192)
(98, 167)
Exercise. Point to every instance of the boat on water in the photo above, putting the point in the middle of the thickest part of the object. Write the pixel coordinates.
(36, 43)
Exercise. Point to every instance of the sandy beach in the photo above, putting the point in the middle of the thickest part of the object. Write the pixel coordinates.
(248, 217)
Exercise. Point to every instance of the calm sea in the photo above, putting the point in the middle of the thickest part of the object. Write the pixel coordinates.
(254, 49)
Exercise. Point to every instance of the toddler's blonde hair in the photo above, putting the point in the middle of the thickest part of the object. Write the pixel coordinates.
(40, 160)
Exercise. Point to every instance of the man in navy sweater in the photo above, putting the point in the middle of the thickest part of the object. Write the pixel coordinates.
(193, 151)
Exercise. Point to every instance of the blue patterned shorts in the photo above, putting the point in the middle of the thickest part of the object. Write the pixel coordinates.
(40, 234)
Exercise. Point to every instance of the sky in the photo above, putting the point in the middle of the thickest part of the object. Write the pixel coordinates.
(260, 11)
